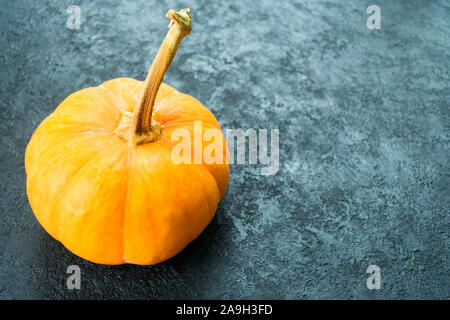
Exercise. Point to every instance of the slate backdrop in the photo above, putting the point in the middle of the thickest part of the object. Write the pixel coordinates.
(364, 144)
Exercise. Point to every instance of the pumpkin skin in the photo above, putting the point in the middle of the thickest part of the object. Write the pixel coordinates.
(111, 201)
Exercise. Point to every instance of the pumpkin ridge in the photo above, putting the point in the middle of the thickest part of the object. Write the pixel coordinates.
(203, 165)
(62, 153)
(69, 184)
(168, 144)
(188, 120)
(53, 213)
(184, 102)
(165, 98)
(71, 106)
(118, 87)
(131, 161)
(114, 97)
(78, 127)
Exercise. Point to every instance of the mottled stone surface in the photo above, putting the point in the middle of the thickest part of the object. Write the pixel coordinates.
(364, 144)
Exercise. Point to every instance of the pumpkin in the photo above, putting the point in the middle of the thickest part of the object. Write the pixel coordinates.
(100, 175)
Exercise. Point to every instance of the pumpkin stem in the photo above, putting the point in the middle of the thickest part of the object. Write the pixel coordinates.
(179, 27)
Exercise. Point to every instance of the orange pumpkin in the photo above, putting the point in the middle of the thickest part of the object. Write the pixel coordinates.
(100, 177)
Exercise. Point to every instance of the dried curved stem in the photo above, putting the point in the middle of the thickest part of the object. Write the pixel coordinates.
(143, 129)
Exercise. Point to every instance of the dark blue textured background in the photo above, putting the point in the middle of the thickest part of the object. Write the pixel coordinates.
(364, 144)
